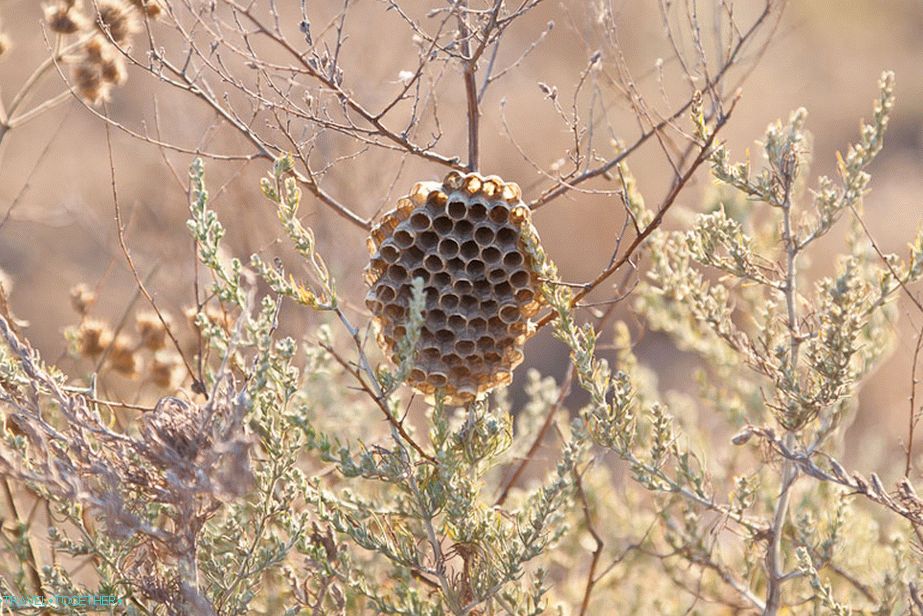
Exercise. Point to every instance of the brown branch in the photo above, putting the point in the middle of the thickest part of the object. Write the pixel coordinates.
(539, 437)
(913, 416)
(600, 544)
(197, 386)
(379, 402)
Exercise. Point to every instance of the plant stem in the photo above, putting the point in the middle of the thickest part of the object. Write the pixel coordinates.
(774, 556)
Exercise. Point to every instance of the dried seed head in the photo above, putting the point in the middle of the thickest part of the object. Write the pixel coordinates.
(93, 337)
(116, 19)
(150, 8)
(113, 70)
(96, 50)
(82, 298)
(465, 239)
(151, 329)
(63, 18)
(122, 357)
(89, 83)
(164, 368)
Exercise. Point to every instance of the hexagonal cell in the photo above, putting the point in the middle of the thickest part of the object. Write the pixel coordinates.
(420, 220)
(420, 272)
(497, 274)
(456, 322)
(448, 301)
(502, 289)
(433, 263)
(436, 199)
(465, 347)
(457, 209)
(469, 250)
(520, 279)
(491, 254)
(427, 240)
(442, 279)
(403, 238)
(455, 265)
(475, 267)
(438, 379)
(477, 211)
(513, 258)
(499, 213)
(385, 293)
(506, 236)
(397, 273)
(468, 303)
(435, 319)
(462, 229)
(442, 225)
(484, 235)
(390, 253)
(509, 313)
(413, 255)
(524, 296)
(448, 247)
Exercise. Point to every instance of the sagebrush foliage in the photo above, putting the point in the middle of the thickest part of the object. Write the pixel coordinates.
(255, 495)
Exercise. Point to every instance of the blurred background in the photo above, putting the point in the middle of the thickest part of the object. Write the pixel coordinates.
(55, 172)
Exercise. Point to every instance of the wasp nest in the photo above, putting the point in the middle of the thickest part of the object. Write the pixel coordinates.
(468, 238)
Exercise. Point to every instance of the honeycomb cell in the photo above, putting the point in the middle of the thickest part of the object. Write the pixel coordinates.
(420, 221)
(469, 250)
(477, 211)
(503, 289)
(442, 225)
(403, 239)
(520, 279)
(499, 213)
(433, 263)
(462, 228)
(506, 236)
(491, 255)
(457, 210)
(448, 247)
(484, 235)
(465, 238)
(513, 259)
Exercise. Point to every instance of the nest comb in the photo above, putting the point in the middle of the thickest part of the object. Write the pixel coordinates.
(468, 239)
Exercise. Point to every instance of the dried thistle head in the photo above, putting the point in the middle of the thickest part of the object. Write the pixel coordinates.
(150, 8)
(89, 83)
(97, 68)
(82, 298)
(117, 19)
(112, 70)
(123, 357)
(152, 330)
(92, 338)
(465, 239)
(163, 369)
(65, 18)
